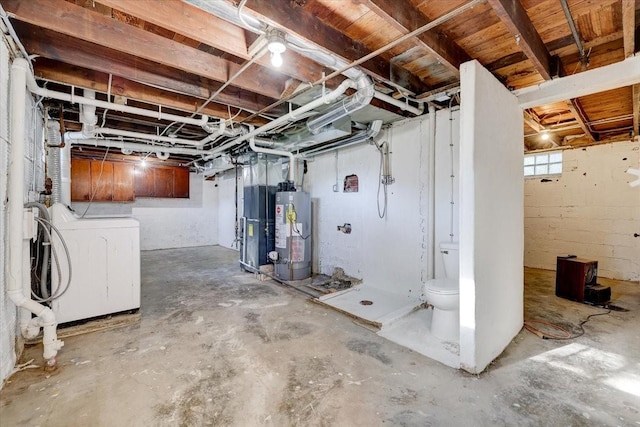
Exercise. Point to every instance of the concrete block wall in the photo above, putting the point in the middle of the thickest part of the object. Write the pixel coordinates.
(589, 210)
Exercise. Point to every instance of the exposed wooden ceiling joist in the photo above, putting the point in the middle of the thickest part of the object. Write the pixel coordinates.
(194, 22)
(628, 31)
(82, 77)
(578, 113)
(292, 17)
(402, 15)
(201, 26)
(81, 23)
(515, 18)
(628, 26)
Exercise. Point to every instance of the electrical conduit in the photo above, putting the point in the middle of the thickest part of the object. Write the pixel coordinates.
(45, 318)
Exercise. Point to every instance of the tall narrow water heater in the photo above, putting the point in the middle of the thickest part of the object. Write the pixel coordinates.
(293, 235)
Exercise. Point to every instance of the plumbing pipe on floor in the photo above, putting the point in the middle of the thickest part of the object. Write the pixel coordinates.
(45, 318)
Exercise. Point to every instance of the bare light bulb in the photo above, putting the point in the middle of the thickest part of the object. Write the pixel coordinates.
(545, 136)
(143, 163)
(276, 59)
(277, 46)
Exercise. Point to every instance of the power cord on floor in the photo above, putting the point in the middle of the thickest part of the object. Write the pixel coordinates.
(566, 335)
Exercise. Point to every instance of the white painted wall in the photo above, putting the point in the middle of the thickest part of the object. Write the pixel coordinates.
(226, 207)
(491, 217)
(390, 253)
(447, 153)
(11, 344)
(169, 223)
(589, 211)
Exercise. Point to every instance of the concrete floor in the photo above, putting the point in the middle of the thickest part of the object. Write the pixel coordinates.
(217, 347)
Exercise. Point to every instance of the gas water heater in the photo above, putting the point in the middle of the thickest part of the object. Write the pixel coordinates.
(293, 235)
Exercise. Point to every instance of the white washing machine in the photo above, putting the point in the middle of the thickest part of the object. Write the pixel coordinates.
(105, 263)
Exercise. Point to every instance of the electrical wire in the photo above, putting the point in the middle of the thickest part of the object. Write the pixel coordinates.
(566, 335)
(295, 224)
(93, 194)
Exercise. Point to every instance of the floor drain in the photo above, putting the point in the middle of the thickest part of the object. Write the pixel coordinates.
(366, 302)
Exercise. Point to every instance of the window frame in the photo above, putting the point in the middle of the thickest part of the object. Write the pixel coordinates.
(541, 163)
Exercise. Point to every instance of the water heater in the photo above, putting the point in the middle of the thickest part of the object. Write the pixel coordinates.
(293, 235)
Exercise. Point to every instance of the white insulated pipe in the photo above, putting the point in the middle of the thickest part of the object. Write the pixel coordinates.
(219, 131)
(70, 97)
(135, 146)
(292, 159)
(432, 185)
(45, 318)
(291, 116)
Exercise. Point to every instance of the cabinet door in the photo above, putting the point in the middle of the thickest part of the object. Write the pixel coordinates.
(80, 180)
(181, 183)
(123, 182)
(102, 181)
(163, 182)
(144, 182)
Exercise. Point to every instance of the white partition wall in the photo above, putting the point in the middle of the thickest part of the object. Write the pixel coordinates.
(491, 217)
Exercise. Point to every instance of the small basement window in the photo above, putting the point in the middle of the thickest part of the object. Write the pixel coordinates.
(543, 164)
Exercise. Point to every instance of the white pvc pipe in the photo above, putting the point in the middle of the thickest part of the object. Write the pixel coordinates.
(45, 318)
(292, 159)
(61, 96)
(134, 146)
(396, 102)
(70, 136)
(432, 186)
(292, 116)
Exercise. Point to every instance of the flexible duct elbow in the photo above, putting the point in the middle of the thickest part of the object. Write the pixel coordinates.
(351, 104)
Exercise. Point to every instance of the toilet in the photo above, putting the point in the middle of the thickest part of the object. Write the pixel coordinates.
(444, 296)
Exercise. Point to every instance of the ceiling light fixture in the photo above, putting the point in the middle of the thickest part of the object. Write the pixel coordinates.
(276, 46)
(545, 136)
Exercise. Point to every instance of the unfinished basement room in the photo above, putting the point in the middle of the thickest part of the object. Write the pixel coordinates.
(320, 213)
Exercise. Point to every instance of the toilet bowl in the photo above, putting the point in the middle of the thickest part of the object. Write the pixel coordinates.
(444, 295)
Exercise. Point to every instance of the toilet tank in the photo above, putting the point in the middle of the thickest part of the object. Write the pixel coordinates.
(451, 259)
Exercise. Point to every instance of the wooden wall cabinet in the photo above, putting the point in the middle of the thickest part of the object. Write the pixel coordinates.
(111, 181)
(164, 182)
(101, 181)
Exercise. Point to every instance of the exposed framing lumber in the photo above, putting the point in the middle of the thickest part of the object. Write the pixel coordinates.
(206, 28)
(51, 45)
(402, 15)
(636, 110)
(613, 76)
(578, 113)
(628, 36)
(296, 20)
(84, 24)
(532, 122)
(515, 18)
(81, 77)
(628, 26)
(193, 22)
